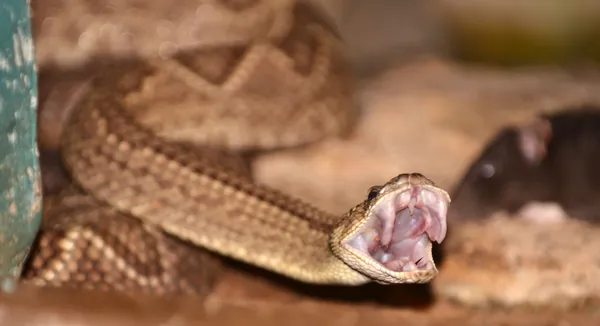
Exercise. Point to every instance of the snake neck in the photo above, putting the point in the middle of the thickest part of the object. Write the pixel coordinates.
(192, 195)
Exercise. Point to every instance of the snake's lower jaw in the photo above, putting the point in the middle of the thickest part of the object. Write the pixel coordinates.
(396, 240)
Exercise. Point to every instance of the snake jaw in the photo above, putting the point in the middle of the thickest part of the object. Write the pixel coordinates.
(397, 236)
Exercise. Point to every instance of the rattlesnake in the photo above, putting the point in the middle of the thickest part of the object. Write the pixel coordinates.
(154, 150)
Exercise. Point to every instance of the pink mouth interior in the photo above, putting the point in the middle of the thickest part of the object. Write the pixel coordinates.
(401, 240)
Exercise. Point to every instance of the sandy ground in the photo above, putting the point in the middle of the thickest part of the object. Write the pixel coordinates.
(95, 310)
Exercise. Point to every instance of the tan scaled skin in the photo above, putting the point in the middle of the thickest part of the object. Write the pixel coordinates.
(131, 165)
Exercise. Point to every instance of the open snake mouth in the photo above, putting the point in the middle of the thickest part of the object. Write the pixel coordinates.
(401, 227)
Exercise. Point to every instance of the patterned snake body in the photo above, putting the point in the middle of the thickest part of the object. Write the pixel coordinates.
(143, 202)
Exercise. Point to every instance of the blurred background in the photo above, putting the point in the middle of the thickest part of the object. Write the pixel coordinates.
(436, 80)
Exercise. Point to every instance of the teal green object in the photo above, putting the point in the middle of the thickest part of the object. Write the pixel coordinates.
(20, 184)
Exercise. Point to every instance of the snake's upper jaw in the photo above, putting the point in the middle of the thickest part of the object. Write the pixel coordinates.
(396, 238)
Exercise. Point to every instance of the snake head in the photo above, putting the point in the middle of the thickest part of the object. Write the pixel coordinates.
(388, 238)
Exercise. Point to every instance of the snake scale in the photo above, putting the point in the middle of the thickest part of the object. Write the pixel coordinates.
(157, 151)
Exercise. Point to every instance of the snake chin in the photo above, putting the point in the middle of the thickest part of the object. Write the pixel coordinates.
(401, 228)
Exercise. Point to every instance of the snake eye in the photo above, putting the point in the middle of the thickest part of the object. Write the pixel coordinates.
(373, 192)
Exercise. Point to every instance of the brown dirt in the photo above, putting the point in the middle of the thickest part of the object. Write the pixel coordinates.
(67, 308)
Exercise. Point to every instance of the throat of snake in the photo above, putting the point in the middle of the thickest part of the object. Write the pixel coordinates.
(400, 229)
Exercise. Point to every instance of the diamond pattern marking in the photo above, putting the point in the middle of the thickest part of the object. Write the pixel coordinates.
(213, 65)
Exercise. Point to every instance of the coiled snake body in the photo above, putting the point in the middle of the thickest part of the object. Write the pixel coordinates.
(145, 204)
